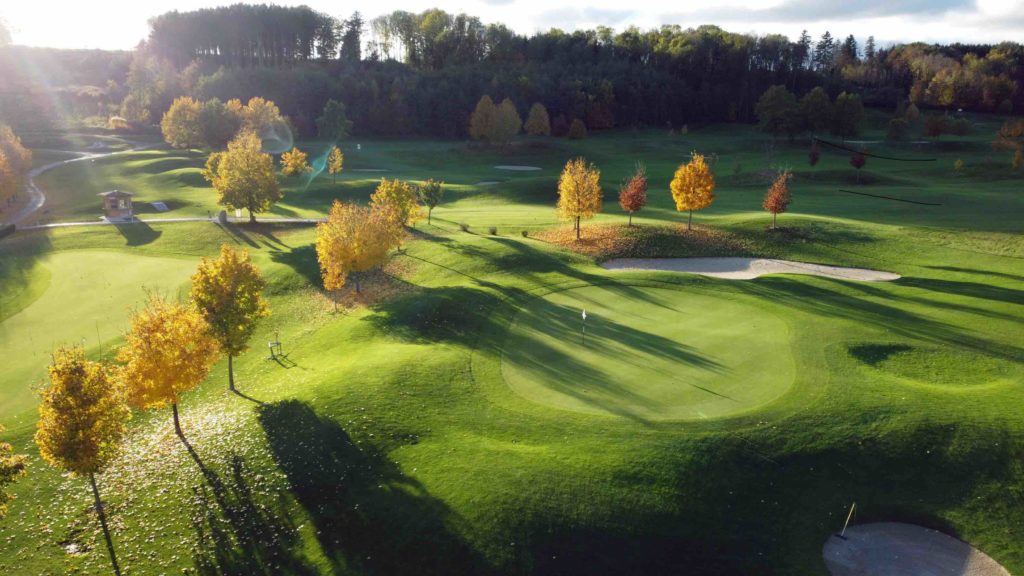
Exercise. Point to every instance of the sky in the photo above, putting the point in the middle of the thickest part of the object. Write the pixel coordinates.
(122, 24)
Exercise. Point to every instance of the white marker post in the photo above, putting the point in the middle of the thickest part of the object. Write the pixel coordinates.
(584, 338)
(847, 523)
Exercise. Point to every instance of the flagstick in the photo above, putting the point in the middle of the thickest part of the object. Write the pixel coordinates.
(847, 523)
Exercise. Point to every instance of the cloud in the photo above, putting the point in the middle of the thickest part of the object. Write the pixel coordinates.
(818, 10)
(573, 17)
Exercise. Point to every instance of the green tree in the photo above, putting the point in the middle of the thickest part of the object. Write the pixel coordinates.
(333, 124)
(218, 123)
(430, 194)
(83, 419)
(244, 175)
(848, 115)
(777, 112)
(816, 111)
(228, 292)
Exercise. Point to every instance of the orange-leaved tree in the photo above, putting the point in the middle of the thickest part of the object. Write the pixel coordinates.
(776, 201)
(579, 192)
(228, 292)
(83, 419)
(12, 467)
(693, 187)
(354, 238)
(633, 193)
(295, 162)
(168, 351)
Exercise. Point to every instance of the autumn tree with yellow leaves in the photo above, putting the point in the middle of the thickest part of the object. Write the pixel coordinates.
(579, 192)
(693, 187)
(228, 293)
(335, 162)
(353, 239)
(181, 125)
(538, 123)
(12, 467)
(83, 419)
(295, 162)
(483, 120)
(15, 163)
(397, 200)
(244, 175)
(168, 351)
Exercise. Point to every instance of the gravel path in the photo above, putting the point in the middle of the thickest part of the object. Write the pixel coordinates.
(895, 549)
(746, 268)
(36, 197)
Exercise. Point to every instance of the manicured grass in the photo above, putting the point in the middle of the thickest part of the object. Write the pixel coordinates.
(89, 298)
(649, 353)
(392, 442)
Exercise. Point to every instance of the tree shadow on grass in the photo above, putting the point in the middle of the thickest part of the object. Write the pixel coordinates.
(301, 259)
(237, 532)
(137, 233)
(976, 271)
(370, 518)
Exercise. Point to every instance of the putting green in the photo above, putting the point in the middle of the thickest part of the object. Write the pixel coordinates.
(90, 296)
(649, 353)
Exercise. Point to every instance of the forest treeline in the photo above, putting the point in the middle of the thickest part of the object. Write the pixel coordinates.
(422, 74)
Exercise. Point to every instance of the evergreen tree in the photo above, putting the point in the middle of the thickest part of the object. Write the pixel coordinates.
(352, 39)
(824, 53)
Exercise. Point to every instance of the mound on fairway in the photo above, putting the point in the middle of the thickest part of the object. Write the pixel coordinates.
(649, 353)
(895, 549)
(934, 365)
(89, 299)
(736, 268)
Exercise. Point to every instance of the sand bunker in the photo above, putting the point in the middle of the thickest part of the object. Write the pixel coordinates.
(895, 549)
(746, 268)
(518, 168)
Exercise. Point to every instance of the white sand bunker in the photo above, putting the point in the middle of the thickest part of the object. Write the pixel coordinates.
(895, 549)
(518, 168)
(746, 268)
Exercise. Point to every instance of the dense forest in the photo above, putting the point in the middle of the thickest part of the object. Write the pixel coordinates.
(422, 74)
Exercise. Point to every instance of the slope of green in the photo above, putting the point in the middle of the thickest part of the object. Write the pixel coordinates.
(391, 442)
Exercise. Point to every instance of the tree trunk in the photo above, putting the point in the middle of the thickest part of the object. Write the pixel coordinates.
(103, 523)
(231, 373)
(774, 218)
(577, 227)
(177, 422)
(430, 212)
(252, 217)
(356, 279)
(630, 219)
(689, 221)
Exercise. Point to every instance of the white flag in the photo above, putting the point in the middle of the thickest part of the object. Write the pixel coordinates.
(584, 314)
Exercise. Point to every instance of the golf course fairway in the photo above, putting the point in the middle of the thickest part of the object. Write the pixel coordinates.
(648, 353)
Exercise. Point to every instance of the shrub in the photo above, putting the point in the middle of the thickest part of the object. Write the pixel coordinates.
(958, 165)
(463, 226)
(118, 123)
(898, 128)
(577, 130)
(6, 230)
(493, 230)
(961, 127)
(526, 233)
(935, 126)
(1006, 107)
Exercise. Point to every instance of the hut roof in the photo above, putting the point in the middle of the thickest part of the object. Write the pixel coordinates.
(115, 194)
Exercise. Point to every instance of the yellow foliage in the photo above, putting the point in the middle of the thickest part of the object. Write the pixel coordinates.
(12, 467)
(353, 239)
(579, 192)
(335, 161)
(180, 125)
(258, 115)
(693, 186)
(538, 123)
(168, 351)
(244, 175)
(227, 292)
(397, 201)
(484, 119)
(83, 416)
(295, 162)
(15, 162)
